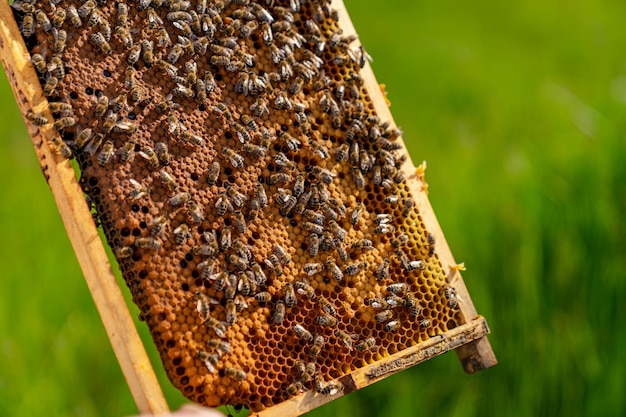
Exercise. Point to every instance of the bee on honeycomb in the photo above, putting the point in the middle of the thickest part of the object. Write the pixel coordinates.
(231, 148)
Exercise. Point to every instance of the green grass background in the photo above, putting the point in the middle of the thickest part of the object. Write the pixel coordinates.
(518, 107)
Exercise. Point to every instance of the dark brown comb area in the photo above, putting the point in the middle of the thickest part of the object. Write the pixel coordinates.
(254, 200)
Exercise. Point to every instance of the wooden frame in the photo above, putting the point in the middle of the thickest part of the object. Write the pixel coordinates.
(469, 340)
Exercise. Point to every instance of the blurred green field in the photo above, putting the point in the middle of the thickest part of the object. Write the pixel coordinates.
(519, 110)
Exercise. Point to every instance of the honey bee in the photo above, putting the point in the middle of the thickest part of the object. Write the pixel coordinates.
(195, 212)
(203, 305)
(290, 295)
(392, 326)
(274, 263)
(385, 229)
(221, 282)
(64, 122)
(326, 320)
(148, 243)
(346, 338)
(366, 345)
(56, 67)
(106, 154)
(358, 177)
(431, 244)
(234, 158)
(124, 126)
(425, 323)
(241, 132)
(383, 218)
(217, 326)
(123, 252)
(138, 191)
(127, 151)
(242, 79)
(122, 14)
(240, 221)
(313, 268)
(135, 50)
(44, 21)
(210, 359)
(413, 305)
(399, 288)
(149, 155)
(220, 61)
(154, 20)
(407, 263)
(263, 297)
(236, 374)
(73, 16)
(282, 102)
(316, 348)
(39, 63)
(157, 226)
(363, 244)
(450, 294)
(223, 204)
(51, 84)
(225, 238)
(282, 254)
(61, 146)
(395, 301)
(98, 39)
(383, 316)
(292, 143)
(95, 18)
(182, 91)
(279, 312)
(336, 273)
(87, 8)
(304, 288)
(219, 344)
(356, 267)
(392, 199)
(235, 196)
(209, 82)
(255, 150)
(27, 26)
(179, 199)
(259, 275)
(382, 271)
(231, 312)
(314, 244)
(399, 241)
(259, 107)
(302, 333)
(241, 264)
(312, 227)
(38, 119)
(214, 173)
(377, 302)
(189, 137)
(101, 106)
(294, 388)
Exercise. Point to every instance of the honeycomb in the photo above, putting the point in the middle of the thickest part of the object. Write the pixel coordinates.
(256, 203)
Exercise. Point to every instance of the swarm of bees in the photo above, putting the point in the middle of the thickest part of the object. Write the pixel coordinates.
(237, 167)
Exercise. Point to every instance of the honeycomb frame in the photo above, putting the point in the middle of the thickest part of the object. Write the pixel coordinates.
(468, 338)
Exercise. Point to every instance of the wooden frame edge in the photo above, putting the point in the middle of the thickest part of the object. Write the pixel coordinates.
(79, 224)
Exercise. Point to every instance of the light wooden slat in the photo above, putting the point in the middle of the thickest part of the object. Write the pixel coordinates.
(79, 224)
